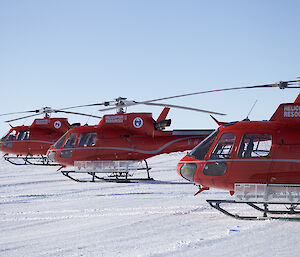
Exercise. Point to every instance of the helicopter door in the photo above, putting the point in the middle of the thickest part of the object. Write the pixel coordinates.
(285, 155)
(22, 139)
(68, 147)
(253, 161)
(86, 144)
(220, 154)
(216, 167)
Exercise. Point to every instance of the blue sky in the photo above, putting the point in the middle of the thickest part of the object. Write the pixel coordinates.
(64, 53)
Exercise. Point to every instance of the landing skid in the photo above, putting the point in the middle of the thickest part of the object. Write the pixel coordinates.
(112, 176)
(30, 160)
(265, 210)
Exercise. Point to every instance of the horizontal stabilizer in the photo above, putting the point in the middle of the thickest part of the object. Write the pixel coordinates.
(163, 114)
(220, 123)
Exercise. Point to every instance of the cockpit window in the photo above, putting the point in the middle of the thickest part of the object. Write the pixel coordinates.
(23, 135)
(11, 137)
(224, 146)
(201, 150)
(87, 139)
(3, 138)
(71, 140)
(60, 141)
(255, 145)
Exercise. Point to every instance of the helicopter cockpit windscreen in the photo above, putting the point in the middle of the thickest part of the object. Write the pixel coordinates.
(10, 138)
(201, 150)
(3, 138)
(60, 141)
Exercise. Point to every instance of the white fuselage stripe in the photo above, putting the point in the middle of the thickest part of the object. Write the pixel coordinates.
(244, 160)
(29, 141)
(133, 149)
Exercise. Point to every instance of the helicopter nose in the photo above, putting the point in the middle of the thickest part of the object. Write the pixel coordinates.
(187, 170)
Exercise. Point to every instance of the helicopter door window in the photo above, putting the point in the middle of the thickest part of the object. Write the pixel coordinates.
(87, 139)
(224, 146)
(71, 140)
(255, 145)
(23, 135)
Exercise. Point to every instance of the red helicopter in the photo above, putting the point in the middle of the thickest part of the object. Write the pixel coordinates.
(29, 144)
(257, 161)
(121, 143)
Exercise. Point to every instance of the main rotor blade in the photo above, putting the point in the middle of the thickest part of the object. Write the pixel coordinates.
(79, 113)
(33, 115)
(281, 85)
(185, 108)
(23, 117)
(11, 113)
(84, 105)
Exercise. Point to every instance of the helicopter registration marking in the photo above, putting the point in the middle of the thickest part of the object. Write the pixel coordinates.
(292, 111)
(42, 122)
(114, 119)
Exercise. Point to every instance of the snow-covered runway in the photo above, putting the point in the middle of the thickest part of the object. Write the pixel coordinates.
(42, 213)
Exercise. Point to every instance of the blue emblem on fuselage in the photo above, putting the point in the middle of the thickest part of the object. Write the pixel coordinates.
(138, 122)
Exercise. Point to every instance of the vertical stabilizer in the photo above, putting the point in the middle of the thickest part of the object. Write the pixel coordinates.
(288, 111)
(297, 101)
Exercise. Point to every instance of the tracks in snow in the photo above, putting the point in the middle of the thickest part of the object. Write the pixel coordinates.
(94, 213)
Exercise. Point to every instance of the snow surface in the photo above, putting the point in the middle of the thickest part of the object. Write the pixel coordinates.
(43, 213)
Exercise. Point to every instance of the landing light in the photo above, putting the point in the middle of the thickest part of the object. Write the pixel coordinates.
(188, 170)
(51, 155)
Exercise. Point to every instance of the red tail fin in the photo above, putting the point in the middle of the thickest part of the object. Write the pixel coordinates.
(288, 112)
(297, 101)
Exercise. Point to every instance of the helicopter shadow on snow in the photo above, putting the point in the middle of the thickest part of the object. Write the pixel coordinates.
(158, 182)
(164, 182)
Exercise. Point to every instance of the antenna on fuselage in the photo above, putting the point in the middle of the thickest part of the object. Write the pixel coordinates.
(247, 118)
